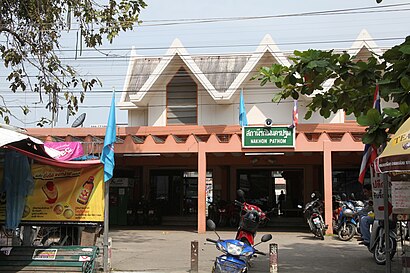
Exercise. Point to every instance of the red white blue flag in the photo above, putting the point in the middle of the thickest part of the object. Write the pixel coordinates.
(370, 151)
(295, 119)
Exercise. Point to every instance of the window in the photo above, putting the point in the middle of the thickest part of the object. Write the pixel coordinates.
(182, 99)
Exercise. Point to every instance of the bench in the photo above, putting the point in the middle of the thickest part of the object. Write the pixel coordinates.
(56, 259)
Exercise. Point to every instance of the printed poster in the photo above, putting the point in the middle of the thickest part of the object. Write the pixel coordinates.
(64, 195)
(378, 194)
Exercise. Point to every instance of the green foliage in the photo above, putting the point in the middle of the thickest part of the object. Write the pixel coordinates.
(352, 84)
(32, 29)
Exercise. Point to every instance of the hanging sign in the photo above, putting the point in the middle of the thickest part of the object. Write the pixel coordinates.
(268, 137)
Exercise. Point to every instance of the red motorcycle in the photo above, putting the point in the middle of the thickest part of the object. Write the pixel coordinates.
(251, 216)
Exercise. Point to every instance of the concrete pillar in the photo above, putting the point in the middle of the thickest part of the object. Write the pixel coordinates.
(201, 187)
(327, 172)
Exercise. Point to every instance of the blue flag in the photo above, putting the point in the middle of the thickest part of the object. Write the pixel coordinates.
(107, 156)
(243, 121)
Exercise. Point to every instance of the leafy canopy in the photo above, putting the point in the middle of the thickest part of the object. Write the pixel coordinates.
(31, 30)
(352, 86)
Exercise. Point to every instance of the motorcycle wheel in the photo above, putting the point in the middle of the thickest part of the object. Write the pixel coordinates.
(319, 233)
(379, 252)
(346, 232)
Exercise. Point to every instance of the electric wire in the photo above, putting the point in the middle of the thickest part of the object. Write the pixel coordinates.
(187, 21)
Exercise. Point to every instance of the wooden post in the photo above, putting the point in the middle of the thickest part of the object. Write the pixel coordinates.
(273, 258)
(194, 256)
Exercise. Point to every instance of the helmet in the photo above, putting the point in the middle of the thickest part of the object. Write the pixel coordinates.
(348, 213)
(359, 203)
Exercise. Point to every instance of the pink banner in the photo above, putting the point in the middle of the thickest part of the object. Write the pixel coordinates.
(64, 150)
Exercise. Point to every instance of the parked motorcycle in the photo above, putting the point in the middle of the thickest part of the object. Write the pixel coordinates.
(147, 213)
(251, 216)
(377, 244)
(236, 254)
(402, 230)
(346, 223)
(313, 214)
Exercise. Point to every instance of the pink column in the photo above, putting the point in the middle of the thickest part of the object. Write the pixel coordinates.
(327, 171)
(201, 188)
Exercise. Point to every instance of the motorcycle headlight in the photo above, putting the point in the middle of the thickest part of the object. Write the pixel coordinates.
(234, 249)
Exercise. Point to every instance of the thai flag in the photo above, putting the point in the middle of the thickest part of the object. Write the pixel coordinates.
(295, 115)
(370, 151)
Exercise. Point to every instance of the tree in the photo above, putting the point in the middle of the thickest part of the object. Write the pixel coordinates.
(31, 30)
(353, 87)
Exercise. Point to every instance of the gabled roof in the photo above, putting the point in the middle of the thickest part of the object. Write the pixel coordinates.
(176, 49)
(363, 42)
(220, 75)
(267, 45)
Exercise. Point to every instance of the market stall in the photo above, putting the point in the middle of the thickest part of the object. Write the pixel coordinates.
(46, 191)
(394, 165)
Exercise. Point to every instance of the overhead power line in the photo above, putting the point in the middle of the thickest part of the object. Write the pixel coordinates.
(191, 21)
(281, 15)
(229, 46)
(305, 14)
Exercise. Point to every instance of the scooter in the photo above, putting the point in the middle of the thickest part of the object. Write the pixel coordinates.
(346, 224)
(313, 214)
(236, 254)
(377, 244)
(251, 216)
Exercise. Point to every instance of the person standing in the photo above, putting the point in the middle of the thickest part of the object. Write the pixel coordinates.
(281, 200)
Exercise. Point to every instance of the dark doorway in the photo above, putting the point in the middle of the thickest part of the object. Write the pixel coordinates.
(263, 186)
(176, 191)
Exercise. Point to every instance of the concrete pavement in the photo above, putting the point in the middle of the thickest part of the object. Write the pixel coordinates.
(169, 251)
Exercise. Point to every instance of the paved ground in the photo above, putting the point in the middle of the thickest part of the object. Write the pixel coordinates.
(169, 251)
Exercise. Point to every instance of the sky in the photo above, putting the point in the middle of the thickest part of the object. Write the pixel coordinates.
(229, 26)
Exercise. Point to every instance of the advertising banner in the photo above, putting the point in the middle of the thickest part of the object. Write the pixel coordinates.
(64, 195)
(64, 150)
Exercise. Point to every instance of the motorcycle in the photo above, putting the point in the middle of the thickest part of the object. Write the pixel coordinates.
(236, 254)
(346, 223)
(313, 214)
(377, 244)
(147, 213)
(251, 216)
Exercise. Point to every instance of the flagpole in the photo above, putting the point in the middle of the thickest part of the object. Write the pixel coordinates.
(108, 159)
(106, 224)
(386, 221)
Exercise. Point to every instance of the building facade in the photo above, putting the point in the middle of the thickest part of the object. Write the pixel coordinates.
(183, 148)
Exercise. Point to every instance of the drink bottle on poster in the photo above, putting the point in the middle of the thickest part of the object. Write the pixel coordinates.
(85, 191)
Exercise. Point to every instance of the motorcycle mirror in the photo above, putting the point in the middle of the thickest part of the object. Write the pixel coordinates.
(266, 237)
(210, 224)
(300, 206)
(240, 193)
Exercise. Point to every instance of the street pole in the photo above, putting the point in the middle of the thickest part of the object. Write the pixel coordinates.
(386, 220)
(106, 225)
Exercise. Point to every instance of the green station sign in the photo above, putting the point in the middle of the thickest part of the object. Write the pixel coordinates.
(268, 137)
